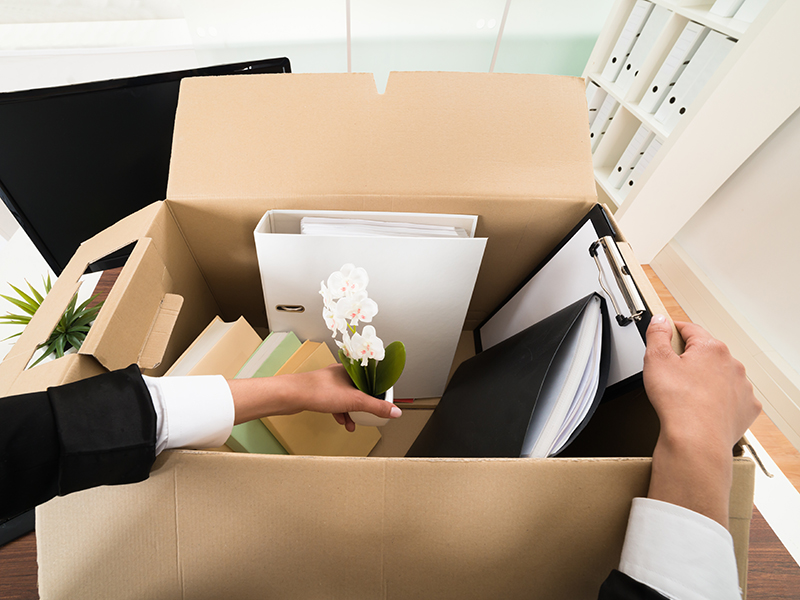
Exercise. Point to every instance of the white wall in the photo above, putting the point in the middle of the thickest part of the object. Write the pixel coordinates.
(746, 238)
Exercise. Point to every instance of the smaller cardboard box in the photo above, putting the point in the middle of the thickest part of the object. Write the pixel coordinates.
(512, 149)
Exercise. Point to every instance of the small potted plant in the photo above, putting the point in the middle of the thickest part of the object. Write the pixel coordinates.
(72, 327)
(373, 368)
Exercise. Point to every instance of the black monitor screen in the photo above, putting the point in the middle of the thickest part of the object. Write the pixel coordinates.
(76, 159)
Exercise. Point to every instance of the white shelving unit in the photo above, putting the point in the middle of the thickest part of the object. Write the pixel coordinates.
(748, 97)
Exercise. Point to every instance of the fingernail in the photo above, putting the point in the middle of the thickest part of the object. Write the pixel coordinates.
(658, 319)
(396, 412)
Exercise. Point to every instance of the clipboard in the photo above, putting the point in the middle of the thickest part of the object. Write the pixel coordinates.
(586, 260)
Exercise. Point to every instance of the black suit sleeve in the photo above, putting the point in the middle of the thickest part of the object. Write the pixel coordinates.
(619, 586)
(99, 431)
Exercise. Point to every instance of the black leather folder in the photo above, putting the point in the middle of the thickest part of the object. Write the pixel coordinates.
(491, 399)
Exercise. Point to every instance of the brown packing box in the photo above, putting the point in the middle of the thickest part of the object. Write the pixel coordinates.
(512, 149)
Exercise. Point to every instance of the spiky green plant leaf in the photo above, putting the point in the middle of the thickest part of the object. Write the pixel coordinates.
(28, 300)
(28, 308)
(71, 329)
(35, 292)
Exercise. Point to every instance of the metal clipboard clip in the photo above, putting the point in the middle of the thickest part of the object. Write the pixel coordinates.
(623, 277)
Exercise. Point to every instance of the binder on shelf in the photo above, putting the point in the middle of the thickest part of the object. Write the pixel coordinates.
(669, 72)
(594, 99)
(626, 40)
(653, 147)
(622, 171)
(725, 8)
(603, 119)
(749, 10)
(644, 44)
(705, 62)
(405, 274)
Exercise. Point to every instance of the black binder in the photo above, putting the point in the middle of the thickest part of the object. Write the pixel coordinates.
(488, 404)
(492, 398)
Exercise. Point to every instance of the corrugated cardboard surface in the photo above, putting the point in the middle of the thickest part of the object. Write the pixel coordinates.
(208, 526)
(433, 142)
(512, 149)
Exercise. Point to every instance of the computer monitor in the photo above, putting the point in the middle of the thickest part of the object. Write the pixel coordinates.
(78, 158)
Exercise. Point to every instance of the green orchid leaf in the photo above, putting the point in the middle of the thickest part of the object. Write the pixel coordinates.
(20, 304)
(356, 372)
(35, 292)
(30, 301)
(371, 370)
(390, 368)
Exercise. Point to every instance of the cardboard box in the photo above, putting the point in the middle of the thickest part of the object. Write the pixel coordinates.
(513, 149)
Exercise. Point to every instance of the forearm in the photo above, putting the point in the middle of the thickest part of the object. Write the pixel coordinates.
(695, 474)
(255, 398)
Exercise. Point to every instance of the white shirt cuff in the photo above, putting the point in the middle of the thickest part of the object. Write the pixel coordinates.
(191, 412)
(679, 553)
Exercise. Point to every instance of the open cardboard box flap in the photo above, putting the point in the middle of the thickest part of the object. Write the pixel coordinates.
(513, 149)
(433, 142)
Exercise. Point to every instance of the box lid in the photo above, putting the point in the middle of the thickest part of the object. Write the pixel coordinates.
(435, 134)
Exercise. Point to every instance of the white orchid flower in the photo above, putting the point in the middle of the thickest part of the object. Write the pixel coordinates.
(348, 281)
(358, 308)
(346, 345)
(327, 298)
(366, 345)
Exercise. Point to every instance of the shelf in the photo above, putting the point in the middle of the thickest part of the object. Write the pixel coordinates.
(646, 118)
(601, 177)
(700, 14)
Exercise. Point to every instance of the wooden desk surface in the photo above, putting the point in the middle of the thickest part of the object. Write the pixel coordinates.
(772, 573)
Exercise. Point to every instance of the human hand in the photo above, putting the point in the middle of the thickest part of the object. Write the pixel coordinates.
(702, 394)
(327, 390)
(705, 404)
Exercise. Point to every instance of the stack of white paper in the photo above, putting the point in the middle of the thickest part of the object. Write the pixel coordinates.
(570, 387)
(364, 227)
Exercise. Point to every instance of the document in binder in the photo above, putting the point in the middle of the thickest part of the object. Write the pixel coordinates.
(586, 261)
(569, 337)
(529, 395)
(422, 283)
